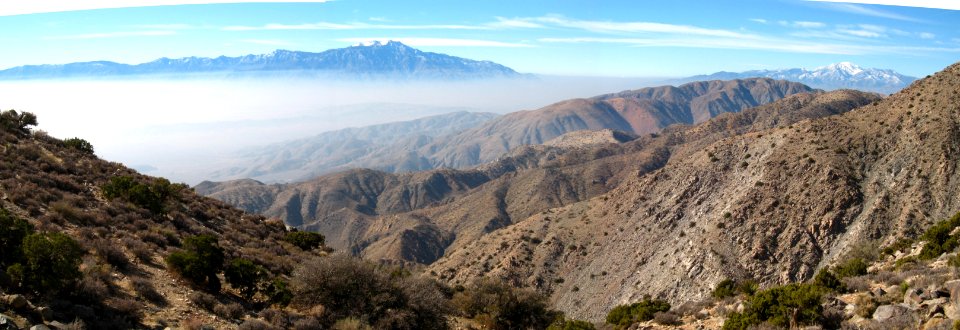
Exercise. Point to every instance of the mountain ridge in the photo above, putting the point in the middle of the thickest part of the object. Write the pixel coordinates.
(377, 60)
(833, 76)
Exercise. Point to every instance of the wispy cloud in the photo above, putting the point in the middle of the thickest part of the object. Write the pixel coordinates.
(514, 23)
(123, 34)
(941, 4)
(860, 33)
(861, 10)
(449, 42)
(759, 20)
(768, 44)
(10, 8)
(351, 26)
(803, 24)
(636, 27)
(927, 35)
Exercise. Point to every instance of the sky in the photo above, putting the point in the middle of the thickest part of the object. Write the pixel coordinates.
(565, 37)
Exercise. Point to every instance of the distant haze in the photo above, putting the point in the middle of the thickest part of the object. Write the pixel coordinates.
(182, 126)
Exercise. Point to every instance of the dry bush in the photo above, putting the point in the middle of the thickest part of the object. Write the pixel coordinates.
(865, 305)
(193, 323)
(856, 283)
(232, 311)
(140, 250)
(146, 290)
(666, 318)
(307, 323)
(111, 253)
(203, 300)
(254, 324)
(276, 317)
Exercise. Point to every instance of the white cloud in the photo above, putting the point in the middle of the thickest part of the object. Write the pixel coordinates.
(941, 4)
(759, 20)
(861, 33)
(449, 42)
(768, 44)
(349, 26)
(927, 35)
(106, 35)
(638, 27)
(514, 23)
(802, 24)
(861, 10)
(10, 8)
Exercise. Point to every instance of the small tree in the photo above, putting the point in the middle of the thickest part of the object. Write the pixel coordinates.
(12, 232)
(304, 240)
(79, 144)
(245, 276)
(51, 263)
(200, 261)
(16, 122)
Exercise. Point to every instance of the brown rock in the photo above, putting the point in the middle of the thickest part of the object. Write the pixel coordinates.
(15, 301)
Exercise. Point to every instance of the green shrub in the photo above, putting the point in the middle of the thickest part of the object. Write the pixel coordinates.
(778, 306)
(850, 268)
(79, 144)
(624, 315)
(826, 279)
(245, 276)
(938, 238)
(562, 323)
(726, 288)
(151, 196)
(199, 261)
(51, 263)
(12, 232)
(499, 306)
(278, 292)
(304, 240)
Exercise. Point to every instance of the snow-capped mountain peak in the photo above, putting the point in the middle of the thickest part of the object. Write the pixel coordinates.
(842, 67)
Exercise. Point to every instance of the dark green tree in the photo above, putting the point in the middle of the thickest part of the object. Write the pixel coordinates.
(200, 261)
(17, 122)
(304, 240)
(245, 276)
(79, 144)
(51, 263)
(12, 232)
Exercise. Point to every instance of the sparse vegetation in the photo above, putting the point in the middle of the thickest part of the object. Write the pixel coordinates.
(200, 261)
(151, 196)
(79, 144)
(644, 310)
(305, 240)
(780, 306)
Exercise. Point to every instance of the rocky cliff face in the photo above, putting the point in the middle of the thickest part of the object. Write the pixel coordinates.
(772, 204)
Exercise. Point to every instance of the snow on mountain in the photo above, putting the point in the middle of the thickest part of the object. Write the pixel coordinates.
(829, 77)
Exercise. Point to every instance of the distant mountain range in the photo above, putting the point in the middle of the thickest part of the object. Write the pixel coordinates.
(376, 60)
(480, 139)
(834, 76)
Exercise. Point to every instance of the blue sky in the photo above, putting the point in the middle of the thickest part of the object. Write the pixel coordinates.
(595, 38)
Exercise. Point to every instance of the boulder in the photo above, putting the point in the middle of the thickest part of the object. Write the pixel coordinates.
(7, 323)
(887, 312)
(39, 327)
(46, 313)
(912, 297)
(953, 288)
(951, 311)
(937, 323)
(15, 301)
(878, 292)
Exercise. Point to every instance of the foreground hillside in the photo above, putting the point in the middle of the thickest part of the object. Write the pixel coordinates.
(774, 206)
(420, 217)
(90, 244)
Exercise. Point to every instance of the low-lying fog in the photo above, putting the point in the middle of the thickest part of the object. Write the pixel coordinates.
(182, 128)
